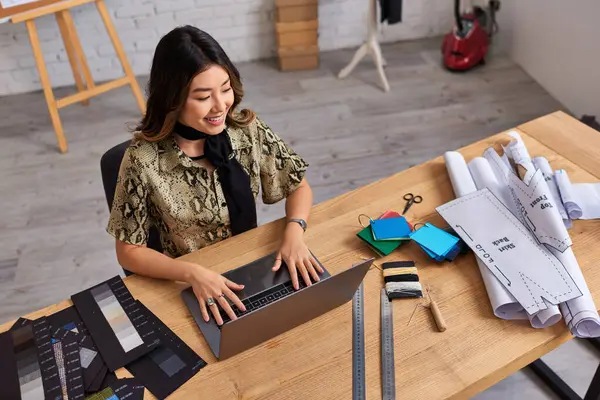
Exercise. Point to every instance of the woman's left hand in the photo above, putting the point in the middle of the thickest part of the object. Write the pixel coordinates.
(295, 254)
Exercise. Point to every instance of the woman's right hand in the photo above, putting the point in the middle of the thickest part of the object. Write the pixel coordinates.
(211, 289)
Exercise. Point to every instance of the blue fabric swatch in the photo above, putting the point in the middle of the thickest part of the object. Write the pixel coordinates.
(435, 241)
(391, 229)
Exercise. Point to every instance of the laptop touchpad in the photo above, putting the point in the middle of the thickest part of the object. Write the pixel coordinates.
(258, 276)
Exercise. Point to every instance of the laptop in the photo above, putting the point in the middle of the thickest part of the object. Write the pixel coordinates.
(272, 305)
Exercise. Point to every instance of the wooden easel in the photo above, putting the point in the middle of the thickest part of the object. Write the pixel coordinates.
(77, 60)
(370, 46)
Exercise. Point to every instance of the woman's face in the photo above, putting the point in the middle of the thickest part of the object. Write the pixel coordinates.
(208, 101)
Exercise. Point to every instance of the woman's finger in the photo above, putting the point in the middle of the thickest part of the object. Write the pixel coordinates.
(202, 304)
(234, 299)
(215, 311)
(293, 273)
(311, 270)
(315, 264)
(277, 263)
(303, 272)
(226, 307)
(233, 285)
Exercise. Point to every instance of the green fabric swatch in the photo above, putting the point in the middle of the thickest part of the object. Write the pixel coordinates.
(382, 247)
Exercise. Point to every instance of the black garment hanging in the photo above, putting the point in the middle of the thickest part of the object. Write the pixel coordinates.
(234, 180)
(391, 10)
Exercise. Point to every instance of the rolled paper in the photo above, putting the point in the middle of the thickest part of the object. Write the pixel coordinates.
(504, 305)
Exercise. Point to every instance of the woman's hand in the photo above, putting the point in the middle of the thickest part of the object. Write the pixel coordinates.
(211, 289)
(295, 254)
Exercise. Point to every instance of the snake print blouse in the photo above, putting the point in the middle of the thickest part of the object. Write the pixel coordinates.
(159, 185)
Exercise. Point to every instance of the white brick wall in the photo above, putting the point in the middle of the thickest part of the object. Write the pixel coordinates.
(243, 27)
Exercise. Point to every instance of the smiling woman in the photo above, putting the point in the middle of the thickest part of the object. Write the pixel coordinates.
(195, 168)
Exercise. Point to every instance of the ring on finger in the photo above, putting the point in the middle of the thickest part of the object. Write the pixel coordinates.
(210, 301)
(222, 295)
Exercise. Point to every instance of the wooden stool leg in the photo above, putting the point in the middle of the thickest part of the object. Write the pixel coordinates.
(45, 80)
(78, 50)
(66, 36)
(135, 87)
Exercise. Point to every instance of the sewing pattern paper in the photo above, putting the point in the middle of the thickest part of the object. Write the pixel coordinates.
(504, 305)
(526, 269)
(484, 177)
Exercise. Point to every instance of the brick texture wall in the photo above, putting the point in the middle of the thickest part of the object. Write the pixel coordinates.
(243, 27)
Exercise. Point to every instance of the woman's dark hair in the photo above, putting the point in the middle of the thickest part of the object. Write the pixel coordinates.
(180, 55)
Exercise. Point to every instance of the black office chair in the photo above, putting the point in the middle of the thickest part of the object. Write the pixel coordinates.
(110, 163)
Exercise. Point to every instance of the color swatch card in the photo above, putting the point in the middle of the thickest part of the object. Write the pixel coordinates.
(128, 389)
(67, 322)
(381, 248)
(66, 355)
(122, 389)
(395, 228)
(113, 319)
(99, 380)
(20, 323)
(438, 244)
(20, 365)
(169, 365)
(28, 363)
(53, 388)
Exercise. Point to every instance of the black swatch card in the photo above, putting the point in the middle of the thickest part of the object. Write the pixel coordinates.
(168, 366)
(124, 389)
(17, 344)
(20, 323)
(128, 389)
(27, 362)
(70, 373)
(109, 313)
(68, 323)
(96, 384)
(47, 362)
(69, 320)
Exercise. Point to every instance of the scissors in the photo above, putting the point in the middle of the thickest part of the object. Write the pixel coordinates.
(410, 199)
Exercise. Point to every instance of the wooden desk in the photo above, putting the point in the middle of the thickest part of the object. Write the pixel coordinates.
(314, 361)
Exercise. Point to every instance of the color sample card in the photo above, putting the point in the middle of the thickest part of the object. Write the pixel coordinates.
(124, 389)
(47, 362)
(68, 323)
(10, 387)
(20, 365)
(28, 364)
(116, 317)
(168, 366)
(437, 243)
(66, 354)
(98, 381)
(391, 229)
(106, 394)
(112, 317)
(20, 322)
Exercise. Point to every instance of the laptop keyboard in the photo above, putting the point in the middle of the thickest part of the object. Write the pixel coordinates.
(262, 299)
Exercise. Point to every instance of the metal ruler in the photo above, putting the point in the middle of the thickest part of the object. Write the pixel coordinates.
(358, 346)
(388, 373)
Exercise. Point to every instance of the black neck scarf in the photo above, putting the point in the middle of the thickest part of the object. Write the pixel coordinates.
(234, 180)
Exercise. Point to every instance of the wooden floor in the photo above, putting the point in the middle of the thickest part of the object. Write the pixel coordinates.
(52, 224)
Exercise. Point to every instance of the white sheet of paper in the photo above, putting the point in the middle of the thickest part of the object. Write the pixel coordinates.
(539, 211)
(588, 199)
(484, 177)
(567, 194)
(580, 314)
(518, 152)
(542, 164)
(525, 268)
(581, 199)
(504, 305)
